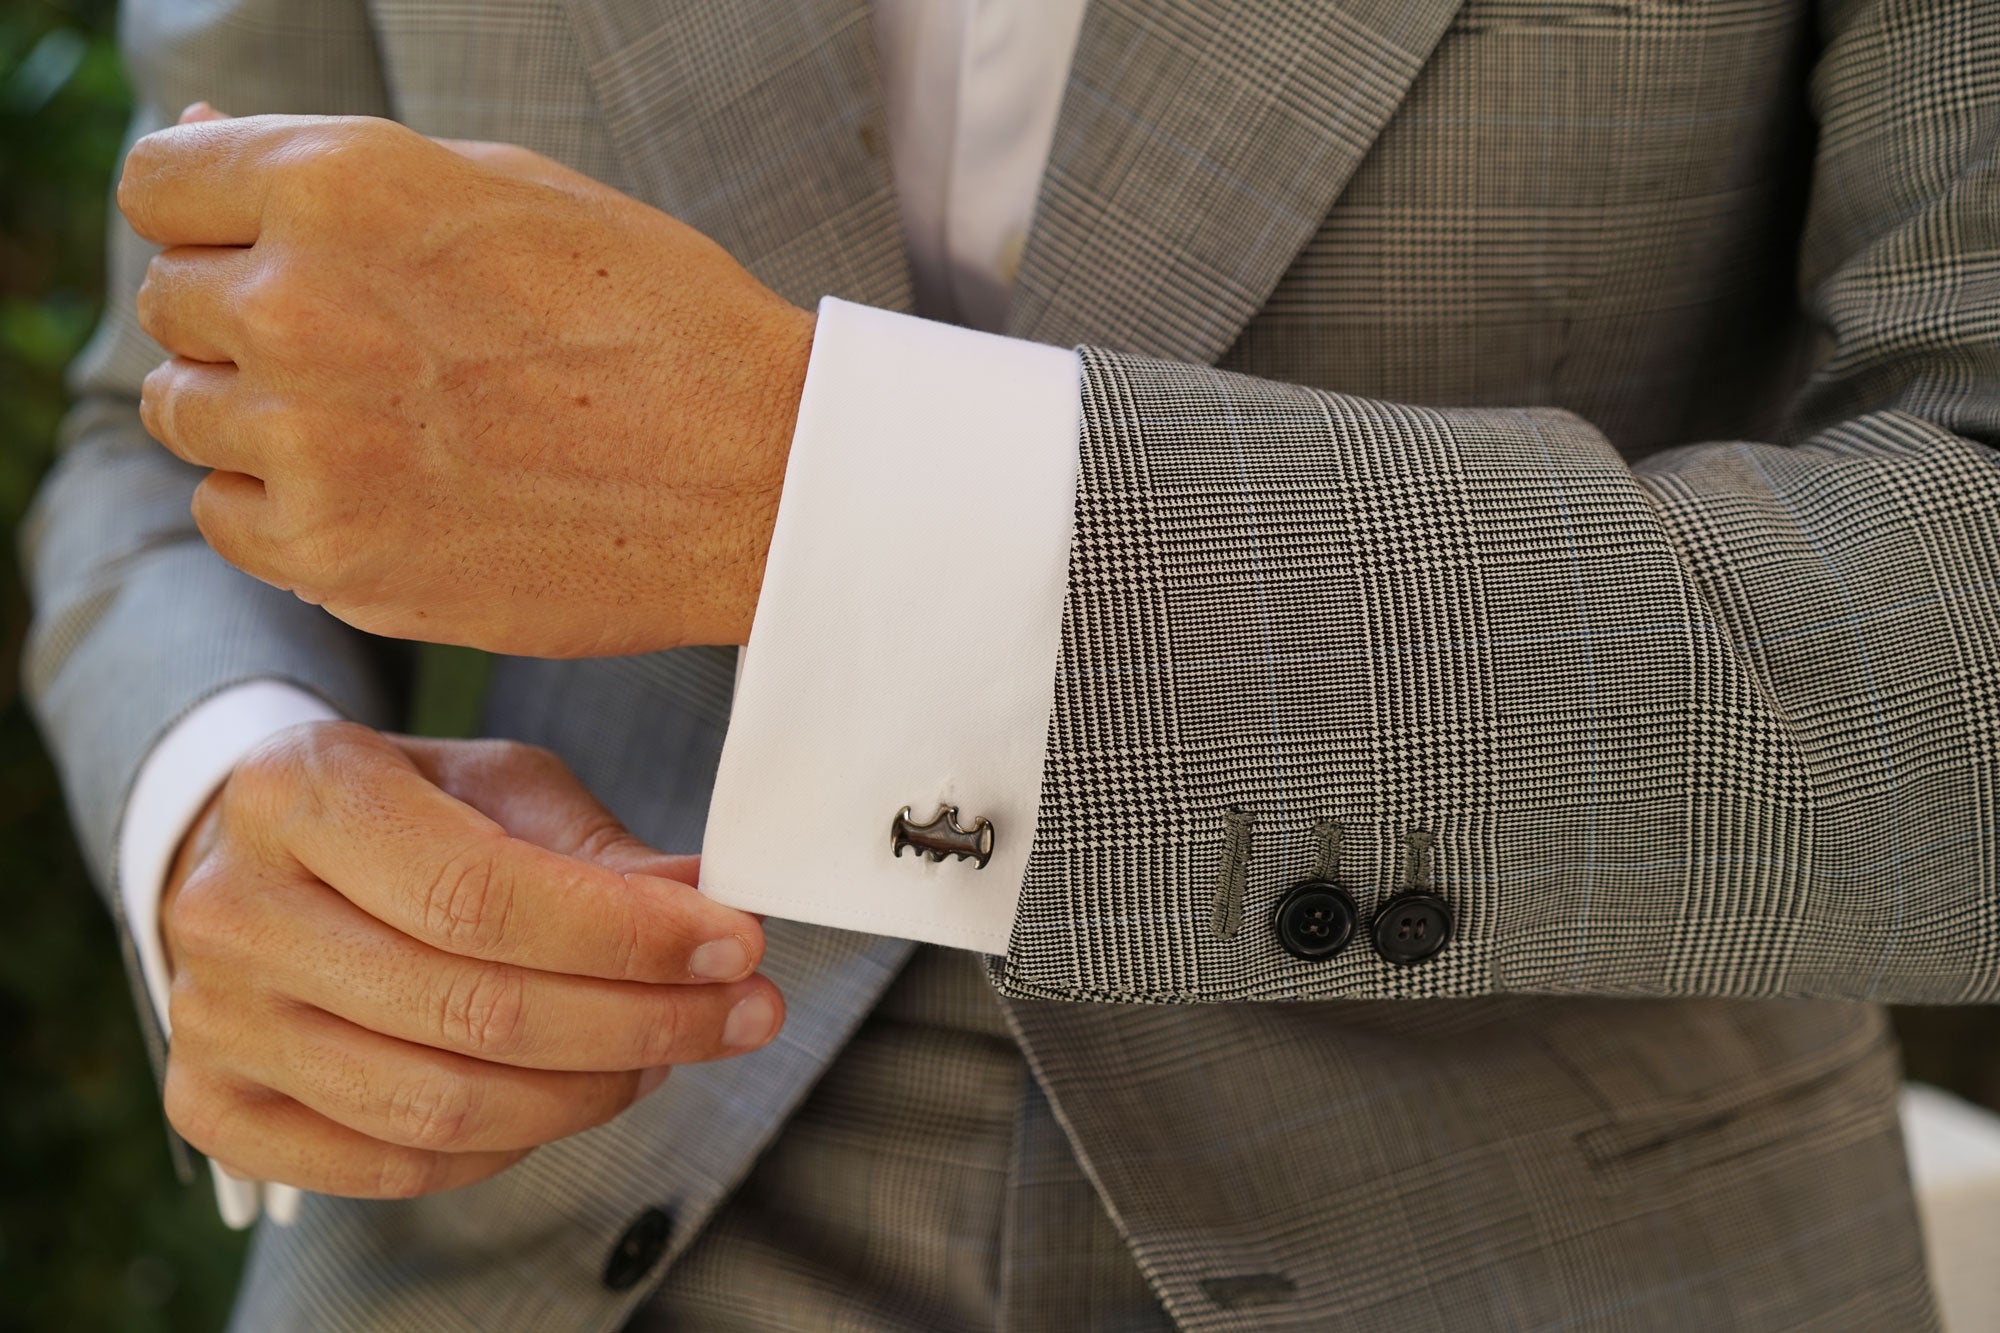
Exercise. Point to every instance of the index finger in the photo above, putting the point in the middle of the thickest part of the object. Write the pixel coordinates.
(207, 182)
(202, 182)
(437, 870)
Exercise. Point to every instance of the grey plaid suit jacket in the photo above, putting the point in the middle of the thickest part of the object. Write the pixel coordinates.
(1459, 455)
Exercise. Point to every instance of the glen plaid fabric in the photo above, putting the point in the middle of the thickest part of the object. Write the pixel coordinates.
(924, 1186)
(1723, 722)
(1692, 720)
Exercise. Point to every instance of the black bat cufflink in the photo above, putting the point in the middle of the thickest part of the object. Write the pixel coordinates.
(943, 837)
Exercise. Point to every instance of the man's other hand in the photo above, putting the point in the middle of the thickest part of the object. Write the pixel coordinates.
(399, 965)
(459, 392)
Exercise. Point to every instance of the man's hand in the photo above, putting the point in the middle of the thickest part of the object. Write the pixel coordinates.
(461, 393)
(399, 965)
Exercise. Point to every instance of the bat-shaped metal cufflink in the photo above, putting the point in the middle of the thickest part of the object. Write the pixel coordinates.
(943, 837)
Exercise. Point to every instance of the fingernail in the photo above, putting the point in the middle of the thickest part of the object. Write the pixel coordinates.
(749, 1023)
(720, 960)
(651, 1079)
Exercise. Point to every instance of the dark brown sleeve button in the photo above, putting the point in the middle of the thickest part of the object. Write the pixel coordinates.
(1315, 920)
(1411, 927)
(638, 1250)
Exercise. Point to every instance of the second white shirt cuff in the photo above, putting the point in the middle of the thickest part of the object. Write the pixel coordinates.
(189, 762)
(906, 639)
(183, 770)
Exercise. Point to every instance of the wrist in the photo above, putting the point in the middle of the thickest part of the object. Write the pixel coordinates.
(775, 392)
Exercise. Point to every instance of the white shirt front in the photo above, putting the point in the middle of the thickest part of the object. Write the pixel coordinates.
(928, 461)
(971, 90)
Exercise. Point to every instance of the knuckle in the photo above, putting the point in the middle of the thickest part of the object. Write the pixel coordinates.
(322, 159)
(342, 737)
(177, 426)
(334, 756)
(292, 775)
(273, 311)
(511, 760)
(431, 1112)
(359, 135)
(195, 1019)
(146, 303)
(142, 163)
(664, 1036)
(221, 527)
(192, 1108)
(204, 919)
(204, 1025)
(484, 1012)
(187, 1016)
(317, 166)
(521, 754)
(467, 903)
(600, 835)
(212, 522)
(267, 778)
(154, 392)
(607, 1098)
(500, 154)
(403, 1174)
(631, 946)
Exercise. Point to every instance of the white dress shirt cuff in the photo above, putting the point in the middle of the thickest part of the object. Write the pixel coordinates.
(179, 775)
(906, 638)
(182, 772)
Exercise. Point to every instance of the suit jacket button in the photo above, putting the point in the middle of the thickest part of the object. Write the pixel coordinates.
(1411, 927)
(638, 1249)
(1315, 920)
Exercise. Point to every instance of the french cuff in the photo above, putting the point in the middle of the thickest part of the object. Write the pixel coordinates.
(174, 783)
(905, 641)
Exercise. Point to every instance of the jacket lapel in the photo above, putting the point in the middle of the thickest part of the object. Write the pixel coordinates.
(1200, 144)
(759, 123)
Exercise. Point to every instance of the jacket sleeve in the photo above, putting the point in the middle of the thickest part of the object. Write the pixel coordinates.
(136, 620)
(1726, 722)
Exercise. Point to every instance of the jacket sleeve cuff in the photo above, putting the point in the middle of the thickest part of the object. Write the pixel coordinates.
(905, 643)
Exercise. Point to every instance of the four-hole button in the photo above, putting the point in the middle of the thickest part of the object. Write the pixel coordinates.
(1316, 919)
(1411, 927)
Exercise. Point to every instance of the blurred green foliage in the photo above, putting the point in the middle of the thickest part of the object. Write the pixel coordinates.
(95, 1231)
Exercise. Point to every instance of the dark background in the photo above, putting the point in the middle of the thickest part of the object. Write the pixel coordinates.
(95, 1232)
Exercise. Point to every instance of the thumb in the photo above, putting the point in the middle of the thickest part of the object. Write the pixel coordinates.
(534, 796)
(636, 858)
(197, 112)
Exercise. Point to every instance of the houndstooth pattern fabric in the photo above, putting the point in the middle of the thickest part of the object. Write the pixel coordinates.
(1524, 504)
